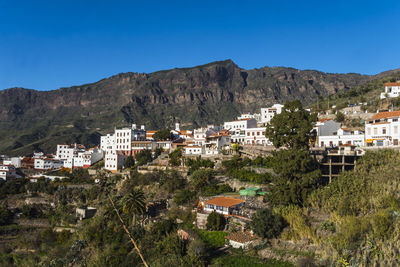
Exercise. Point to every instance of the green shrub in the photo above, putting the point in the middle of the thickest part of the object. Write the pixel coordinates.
(215, 221)
(266, 224)
(5, 216)
(214, 239)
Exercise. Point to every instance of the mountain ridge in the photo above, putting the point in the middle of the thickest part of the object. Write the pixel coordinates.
(209, 93)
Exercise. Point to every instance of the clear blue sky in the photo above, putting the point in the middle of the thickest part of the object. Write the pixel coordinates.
(50, 44)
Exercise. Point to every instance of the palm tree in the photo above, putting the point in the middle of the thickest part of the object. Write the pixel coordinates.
(134, 203)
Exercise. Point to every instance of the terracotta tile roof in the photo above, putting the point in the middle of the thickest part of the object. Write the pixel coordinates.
(220, 133)
(224, 201)
(382, 122)
(392, 84)
(324, 120)
(386, 114)
(240, 237)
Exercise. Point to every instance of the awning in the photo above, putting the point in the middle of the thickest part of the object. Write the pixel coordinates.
(369, 140)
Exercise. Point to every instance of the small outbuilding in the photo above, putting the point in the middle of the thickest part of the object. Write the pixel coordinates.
(85, 212)
(240, 239)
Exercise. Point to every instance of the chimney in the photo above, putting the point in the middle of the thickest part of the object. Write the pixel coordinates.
(133, 126)
(177, 126)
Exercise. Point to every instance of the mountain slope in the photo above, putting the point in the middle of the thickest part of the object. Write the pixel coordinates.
(195, 96)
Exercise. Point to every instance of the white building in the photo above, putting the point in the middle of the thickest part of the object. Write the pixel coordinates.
(48, 164)
(106, 140)
(193, 150)
(87, 158)
(342, 136)
(76, 156)
(200, 134)
(223, 205)
(7, 171)
(113, 159)
(118, 146)
(383, 129)
(391, 90)
(237, 129)
(216, 143)
(256, 136)
(268, 113)
(15, 161)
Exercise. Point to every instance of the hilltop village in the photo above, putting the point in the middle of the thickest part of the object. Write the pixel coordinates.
(381, 129)
(268, 189)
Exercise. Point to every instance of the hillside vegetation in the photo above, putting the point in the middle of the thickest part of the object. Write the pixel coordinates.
(368, 93)
(363, 207)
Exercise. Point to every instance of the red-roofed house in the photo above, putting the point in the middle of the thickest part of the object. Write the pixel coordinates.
(391, 90)
(223, 205)
(383, 129)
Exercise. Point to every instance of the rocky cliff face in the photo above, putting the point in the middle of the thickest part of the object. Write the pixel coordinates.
(195, 96)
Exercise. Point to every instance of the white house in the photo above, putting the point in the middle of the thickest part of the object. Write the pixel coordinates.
(223, 205)
(193, 150)
(215, 143)
(200, 135)
(15, 161)
(48, 164)
(268, 113)
(342, 136)
(7, 171)
(240, 239)
(391, 90)
(383, 129)
(256, 136)
(237, 129)
(87, 158)
(66, 153)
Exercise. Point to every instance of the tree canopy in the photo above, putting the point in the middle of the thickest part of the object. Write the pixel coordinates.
(291, 128)
(266, 224)
(162, 135)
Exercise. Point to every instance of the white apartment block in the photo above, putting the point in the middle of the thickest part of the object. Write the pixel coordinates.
(106, 140)
(7, 171)
(268, 113)
(256, 116)
(124, 142)
(125, 136)
(383, 129)
(256, 136)
(391, 90)
(113, 159)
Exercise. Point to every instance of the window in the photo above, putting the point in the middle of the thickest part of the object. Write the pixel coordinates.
(248, 133)
(394, 120)
(383, 130)
(375, 130)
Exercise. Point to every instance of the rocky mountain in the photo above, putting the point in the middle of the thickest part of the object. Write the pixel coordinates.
(211, 93)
